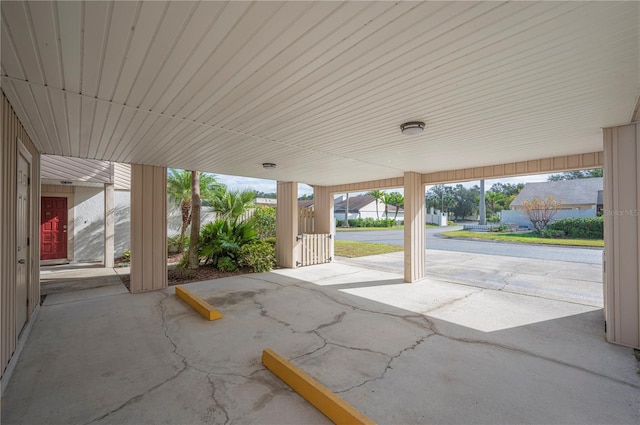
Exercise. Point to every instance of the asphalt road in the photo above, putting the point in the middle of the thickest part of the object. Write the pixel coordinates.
(433, 241)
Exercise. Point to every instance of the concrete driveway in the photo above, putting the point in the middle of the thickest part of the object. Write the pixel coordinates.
(428, 352)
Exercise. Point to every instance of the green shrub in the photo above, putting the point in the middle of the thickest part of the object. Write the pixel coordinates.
(553, 234)
(493, 219)
(226, 264)
(580, 228)
(499, 228)
(220, 239)
(264, 221)
(174, 246)
(258, 256)
(271, 241)
(126, 256)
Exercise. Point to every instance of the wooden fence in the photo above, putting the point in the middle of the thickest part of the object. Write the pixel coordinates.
(305, 220)
(313, 249)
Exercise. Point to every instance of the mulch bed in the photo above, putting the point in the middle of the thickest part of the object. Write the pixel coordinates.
(180, 276)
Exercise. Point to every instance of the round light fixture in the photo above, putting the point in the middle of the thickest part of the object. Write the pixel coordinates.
(412, 127)
(268, 165)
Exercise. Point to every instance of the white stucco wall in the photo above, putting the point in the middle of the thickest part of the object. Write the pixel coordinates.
(88, 224)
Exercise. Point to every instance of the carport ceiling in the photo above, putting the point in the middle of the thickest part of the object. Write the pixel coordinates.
(321, 88)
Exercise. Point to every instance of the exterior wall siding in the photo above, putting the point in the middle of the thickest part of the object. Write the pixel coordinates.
(622, 234)
(12, 131)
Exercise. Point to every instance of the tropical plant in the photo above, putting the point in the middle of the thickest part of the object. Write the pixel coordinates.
(222, 239)
(396, 199)
(387, 199)
(231, 205)
(196, 206)
(179, 192)
(378, 195)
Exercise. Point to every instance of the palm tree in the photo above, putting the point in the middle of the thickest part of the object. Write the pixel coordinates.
(377, 195)
(397, 200)
(387, 198)
(179, 192)
(231, 205)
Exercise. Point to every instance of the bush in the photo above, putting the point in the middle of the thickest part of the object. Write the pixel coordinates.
(226, 264)
(552, 234)
(264, 221)
(367, 222)
(126, 256)
(580, 228)
(499, 228)
(174, 246)
(493, 219)
(220, 239)
(258, 256)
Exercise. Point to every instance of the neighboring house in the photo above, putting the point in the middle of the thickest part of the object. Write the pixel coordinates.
(73, 217)
(363, 206)
(580, 198)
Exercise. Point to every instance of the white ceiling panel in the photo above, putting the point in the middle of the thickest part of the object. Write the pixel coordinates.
(320, 88)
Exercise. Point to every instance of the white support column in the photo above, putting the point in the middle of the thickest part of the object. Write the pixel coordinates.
(622, 234)
(323, 217)
(414, 227)
(148, 228)
(109, 224)
(287, 225)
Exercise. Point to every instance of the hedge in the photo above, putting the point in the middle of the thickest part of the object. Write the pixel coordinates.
(368, 222)
(579, 228)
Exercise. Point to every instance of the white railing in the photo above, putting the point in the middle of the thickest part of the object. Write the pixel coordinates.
(313, 249)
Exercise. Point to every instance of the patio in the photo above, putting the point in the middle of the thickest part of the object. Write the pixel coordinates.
(428, 352)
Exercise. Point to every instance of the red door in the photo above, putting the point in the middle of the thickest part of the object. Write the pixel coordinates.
(53, 228)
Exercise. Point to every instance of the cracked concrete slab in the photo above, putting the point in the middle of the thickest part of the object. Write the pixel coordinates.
(434, 351)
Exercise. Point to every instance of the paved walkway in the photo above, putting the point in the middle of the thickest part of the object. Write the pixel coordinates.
(428, 352)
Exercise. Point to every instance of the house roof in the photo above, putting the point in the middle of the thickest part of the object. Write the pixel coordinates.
(356, 203)
(570, 192)
(320, 88)
(305, 203)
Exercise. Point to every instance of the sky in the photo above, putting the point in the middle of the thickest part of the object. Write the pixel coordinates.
(268, 186)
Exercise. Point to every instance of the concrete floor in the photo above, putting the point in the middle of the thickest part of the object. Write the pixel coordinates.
(471, 352)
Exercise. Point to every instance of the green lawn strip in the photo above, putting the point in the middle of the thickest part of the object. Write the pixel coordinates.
(364, 229)
(522, 238)
(353, 249)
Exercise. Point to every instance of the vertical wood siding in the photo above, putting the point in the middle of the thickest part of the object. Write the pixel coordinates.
(622, 234)
(287, 224)
(12, 131)
(148, 228)
(414, 218)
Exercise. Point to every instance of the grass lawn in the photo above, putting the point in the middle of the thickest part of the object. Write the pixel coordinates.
(364, 229)
(353, 249)
(522, 238)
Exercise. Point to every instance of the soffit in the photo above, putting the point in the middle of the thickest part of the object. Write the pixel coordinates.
(320, 88)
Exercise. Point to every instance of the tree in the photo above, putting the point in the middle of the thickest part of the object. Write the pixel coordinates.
(387, 199)
(377, 195)
(308, 197)
(268, 195)
(541, 211)
(397, 200)
(196, 205)
(231, 205)
(466, 201)
(440, 197)
(179, 192)
(577, 174)
(499, 197)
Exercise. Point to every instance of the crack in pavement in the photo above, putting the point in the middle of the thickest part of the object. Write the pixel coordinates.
(185, 364)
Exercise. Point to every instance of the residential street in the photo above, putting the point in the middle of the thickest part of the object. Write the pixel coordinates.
(433, 241)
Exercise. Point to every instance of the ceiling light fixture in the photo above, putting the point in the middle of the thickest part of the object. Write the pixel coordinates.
(268, 165)
(412, 127)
